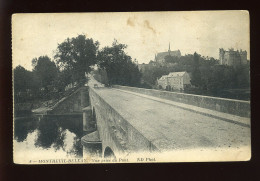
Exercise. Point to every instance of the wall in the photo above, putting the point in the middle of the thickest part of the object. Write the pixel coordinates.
(73, 103)
(163, 83)
(175, 82)
(233, 58)
(115, 132)
(231, 106)
(186, 79)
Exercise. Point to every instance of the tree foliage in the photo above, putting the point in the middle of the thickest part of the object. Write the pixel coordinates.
(75, 56)
(196, 74)
(26, 84)
(118, 65)
(45, 70)
(171, 59)
(22, 79)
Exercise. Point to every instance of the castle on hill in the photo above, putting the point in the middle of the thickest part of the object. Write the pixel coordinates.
(232, 57)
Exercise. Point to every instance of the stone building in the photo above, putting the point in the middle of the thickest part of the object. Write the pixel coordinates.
(232, 57)
(174, 81)
(159, 57)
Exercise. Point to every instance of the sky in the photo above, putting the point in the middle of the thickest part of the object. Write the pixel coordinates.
(146, 34)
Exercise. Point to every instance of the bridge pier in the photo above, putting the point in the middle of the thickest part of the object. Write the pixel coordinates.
(84, 97)
(92, 145)
(87, 119)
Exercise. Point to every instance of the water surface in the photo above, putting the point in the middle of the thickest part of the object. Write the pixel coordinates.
(48, 137)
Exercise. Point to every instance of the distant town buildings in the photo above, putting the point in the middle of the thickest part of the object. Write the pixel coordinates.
(174, 81)
(232, 57)
(159, 57)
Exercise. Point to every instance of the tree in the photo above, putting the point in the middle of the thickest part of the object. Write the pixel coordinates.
(21, 79)
(243, 76)
(119, 66)
(196, 74)
(45, 70)
(101, 76)
(25, 84)
(63, 79)
(75, 56)
(171, 59)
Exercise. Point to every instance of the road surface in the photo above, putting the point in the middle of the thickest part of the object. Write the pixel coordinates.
(170, 127)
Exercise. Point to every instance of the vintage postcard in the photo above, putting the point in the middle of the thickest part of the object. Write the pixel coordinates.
(131, 87)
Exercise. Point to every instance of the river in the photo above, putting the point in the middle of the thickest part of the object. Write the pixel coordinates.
(48, 137)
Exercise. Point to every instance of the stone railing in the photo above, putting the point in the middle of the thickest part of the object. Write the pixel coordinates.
(230, 106)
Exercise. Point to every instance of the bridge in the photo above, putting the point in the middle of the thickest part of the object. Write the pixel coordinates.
(126, 122)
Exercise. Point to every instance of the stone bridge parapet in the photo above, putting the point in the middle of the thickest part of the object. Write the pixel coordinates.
(230, 106)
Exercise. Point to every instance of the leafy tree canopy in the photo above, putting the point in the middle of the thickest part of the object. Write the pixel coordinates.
(196, 74)
(22, 78)
(45, 70)
(118, 65)
(171, 59)
(76, 55)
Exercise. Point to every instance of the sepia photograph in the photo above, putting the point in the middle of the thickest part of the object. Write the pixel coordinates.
(131, 87)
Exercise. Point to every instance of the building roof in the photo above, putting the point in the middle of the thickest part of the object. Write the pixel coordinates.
(163, 77)
(175, 74)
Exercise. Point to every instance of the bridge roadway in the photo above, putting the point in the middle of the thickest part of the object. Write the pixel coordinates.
(170, 125)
